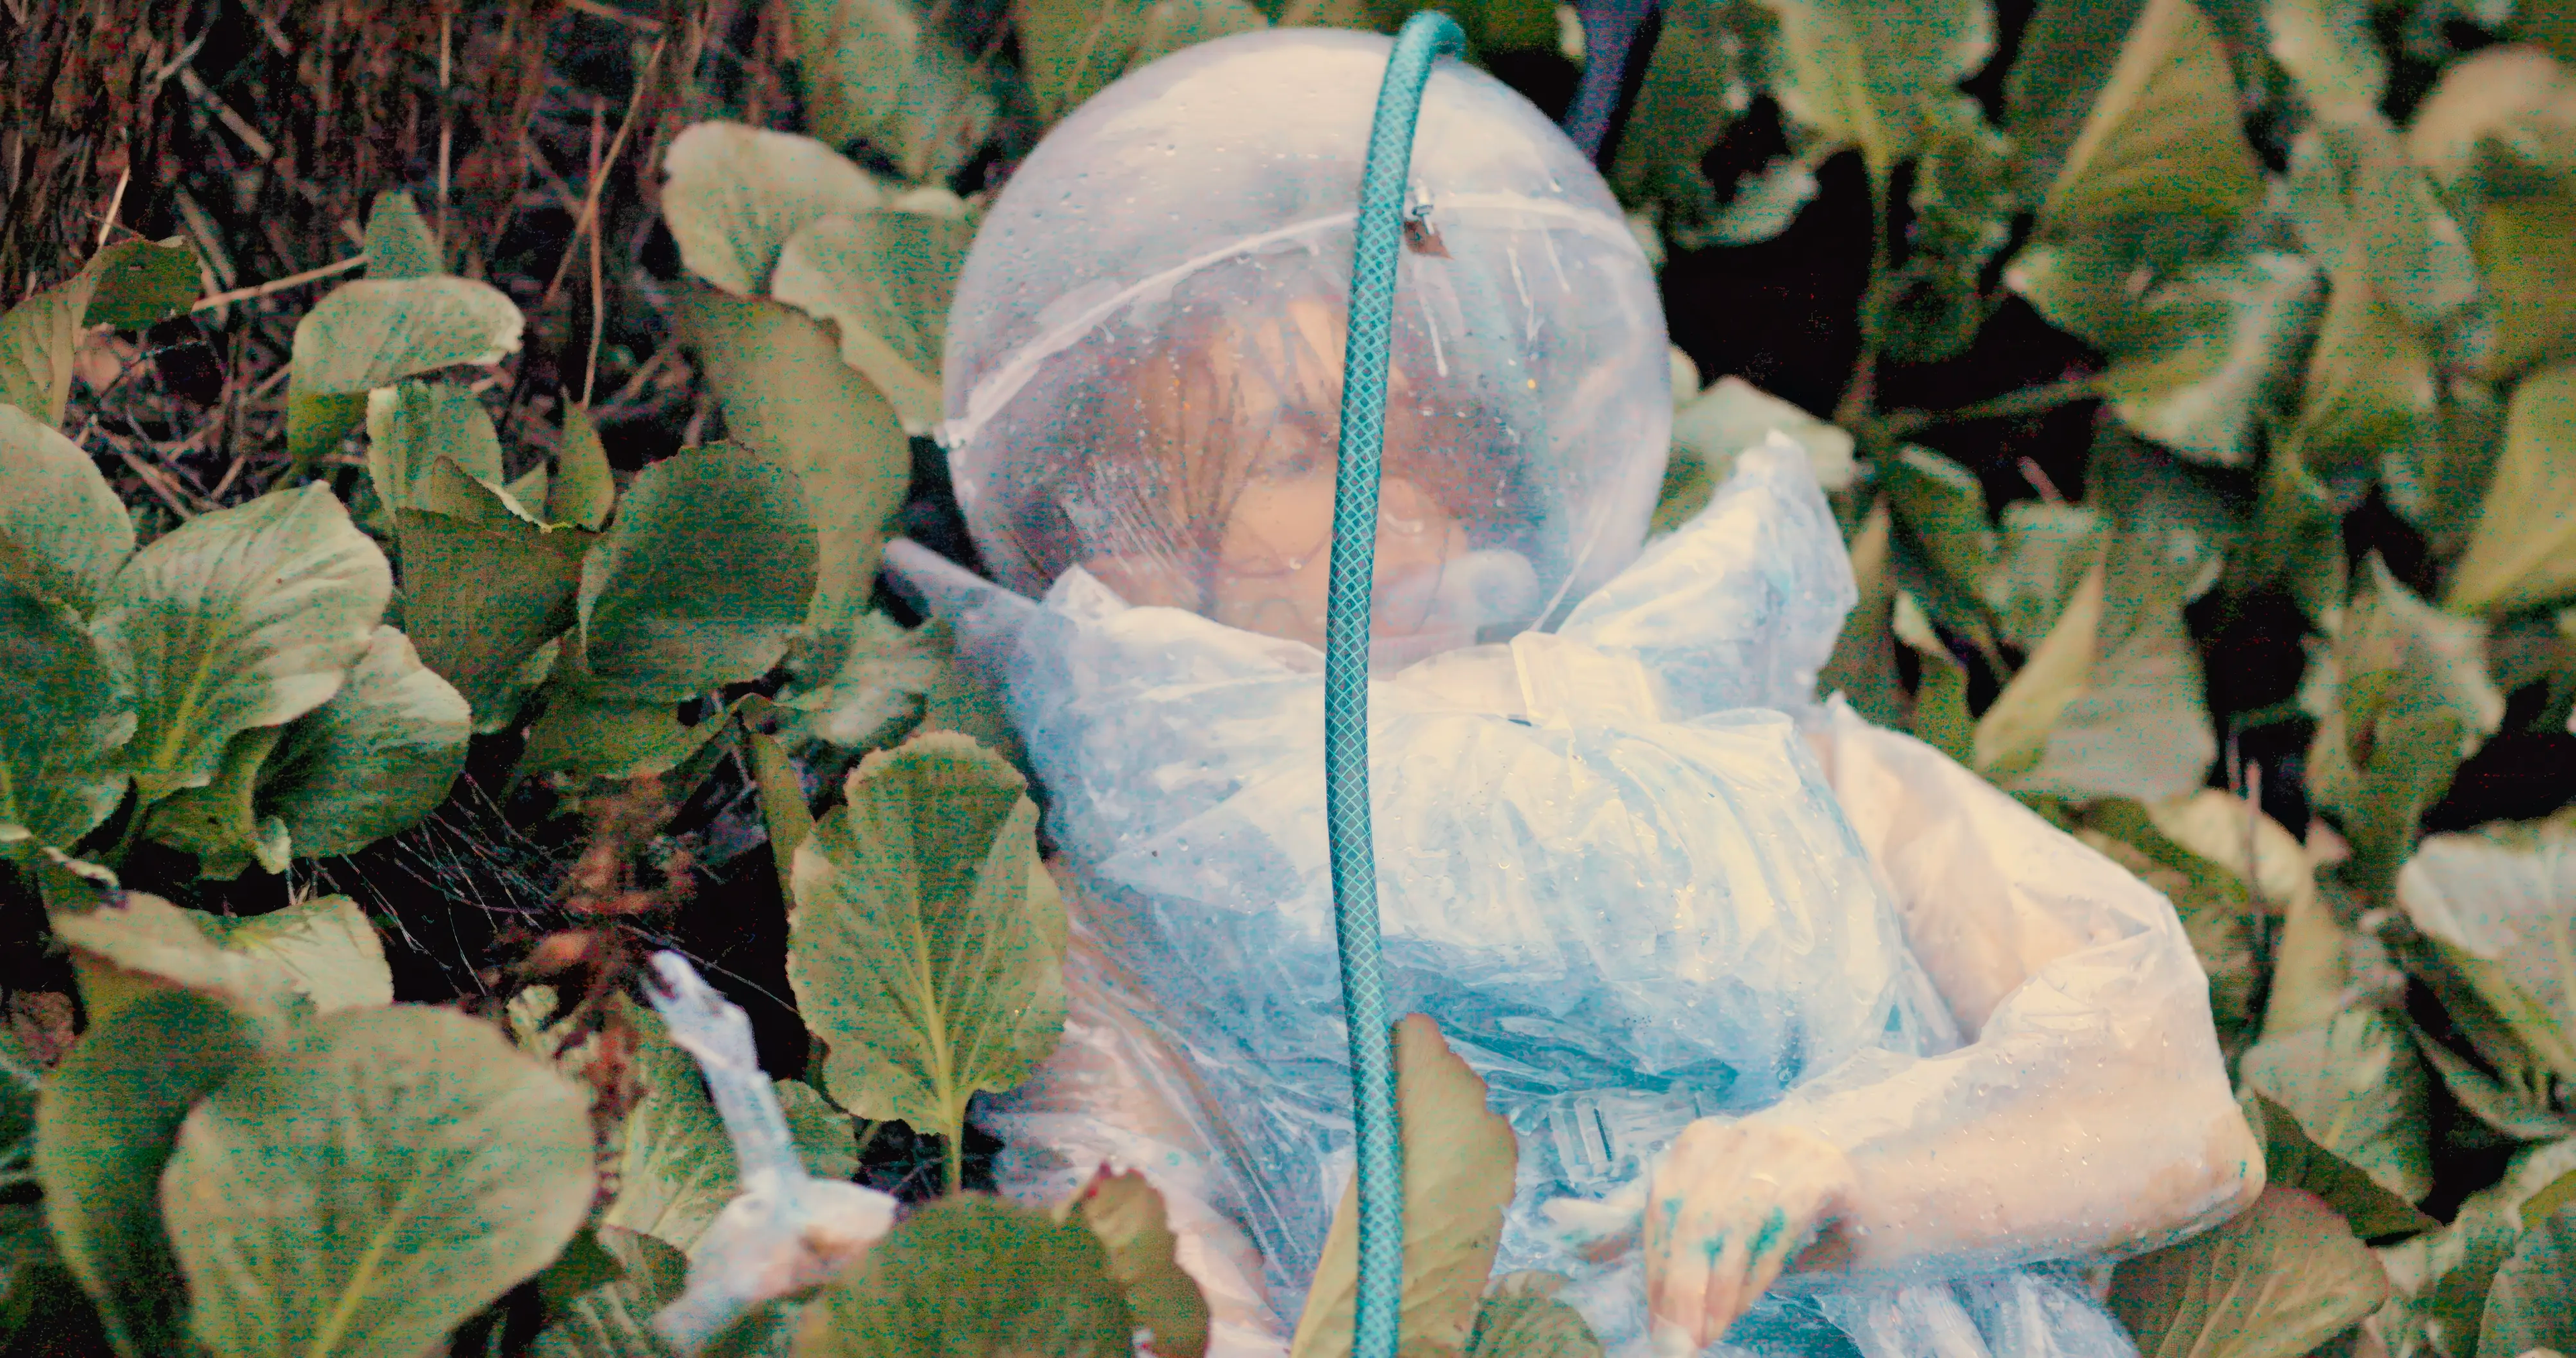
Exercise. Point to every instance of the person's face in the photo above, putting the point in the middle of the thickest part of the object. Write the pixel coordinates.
(1255, 419)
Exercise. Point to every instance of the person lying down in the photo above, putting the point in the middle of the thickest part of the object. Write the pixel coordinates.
(1813, 1043)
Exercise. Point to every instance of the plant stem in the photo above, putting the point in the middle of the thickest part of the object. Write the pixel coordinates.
(2027, 401)
(1859, 400)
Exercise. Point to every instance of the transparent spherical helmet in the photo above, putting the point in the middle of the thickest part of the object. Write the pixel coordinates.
(1144, 364)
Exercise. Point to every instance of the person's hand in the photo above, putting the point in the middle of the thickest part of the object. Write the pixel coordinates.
(1729, 1205)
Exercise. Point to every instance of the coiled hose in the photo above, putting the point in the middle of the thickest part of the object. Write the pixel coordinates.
(1424, 39)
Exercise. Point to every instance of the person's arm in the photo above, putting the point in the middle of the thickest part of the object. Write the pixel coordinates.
(2087, 1114)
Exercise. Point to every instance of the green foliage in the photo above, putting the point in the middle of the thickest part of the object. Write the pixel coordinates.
(109, 1121)
(1459, 1157)
(368, 1186)
(883, 73)
(372, 333)
(927, 941)
(128, 286)
(2388, 317)
(1877, 77)
(2274, 1282)
(974, 1275)
(1127, 1215)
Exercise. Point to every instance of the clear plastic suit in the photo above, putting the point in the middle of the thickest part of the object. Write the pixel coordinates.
(1635, 871)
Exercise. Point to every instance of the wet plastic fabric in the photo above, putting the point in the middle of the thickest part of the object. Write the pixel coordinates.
(1144, 357)
(1611, 870)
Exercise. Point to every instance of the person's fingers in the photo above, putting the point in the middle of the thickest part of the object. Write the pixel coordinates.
(1779, 1236)
(1725, 1296)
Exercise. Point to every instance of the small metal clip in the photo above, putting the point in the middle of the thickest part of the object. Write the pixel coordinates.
(1420, 235)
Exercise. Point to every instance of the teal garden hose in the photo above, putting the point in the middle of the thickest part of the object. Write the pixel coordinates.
(1379, 232)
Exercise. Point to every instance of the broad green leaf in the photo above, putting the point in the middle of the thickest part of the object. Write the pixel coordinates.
(1863, 665)
(1939, 717)
(482, 592)
(786, 392)
(1071, 50)
(1698, 81)
(883, 73)
(2297, 539)
(1940, 510)
(63, 532)
(1459, 1159)
(141, 946)
(2210, 350)
(927, 944)
(326, 946)
(1521, 1318)
(616, 1320)
(2162, 137)
(882, 281)
(701, 579)
(2369, 397)
(2090, 715)
(39, 1298)
(413, 426)
(2495, 902)
(2356, 1091)
(886, 679)
(1171, 25)
(374, 760)
(2526, 252)
(139, 283)
(582, 490)
(1765, 202)
(1127, 1214)
(2084, 285)
(824, 1138)
(400, 243)
(2270, 873)
(376, 331)
(2279, 1279)
(2508, 95)
(1717, 426)
(128, 285)
(2211, 902)
(68, 711)
(242, 617)
(2045, 550)
(2514, 1112)
(2170, 523)
(2522, 553)
(2438, 479)
(219, 822)
(675, 1167)
(2157, 170)
(608, 738)
(736, 195)
(1875, 76)
(367, 1188)
(20, 1085)
(2412, 700)
(2452, 1273)
(2293, 1159)
(1932, 306)
(974, 1275)
(2532, 1306)
(2360, 204)
(785, 811)
(105, 1127)
(2329, 51)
